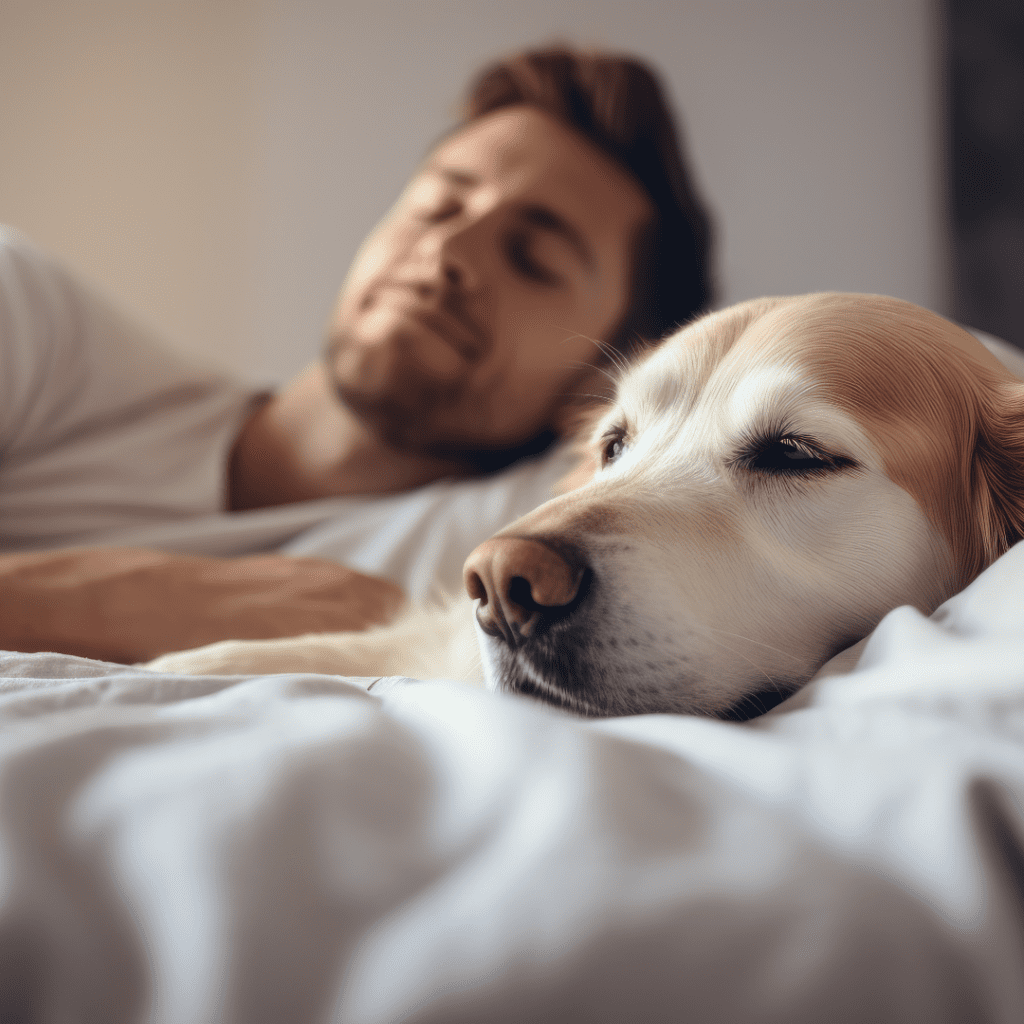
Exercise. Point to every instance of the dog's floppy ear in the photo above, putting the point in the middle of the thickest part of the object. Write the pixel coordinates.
(997, 472)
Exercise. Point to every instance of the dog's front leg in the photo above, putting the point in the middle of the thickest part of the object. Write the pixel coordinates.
(433, 642)
(317, 652)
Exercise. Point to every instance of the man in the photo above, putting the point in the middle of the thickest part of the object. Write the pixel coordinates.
(555, 224)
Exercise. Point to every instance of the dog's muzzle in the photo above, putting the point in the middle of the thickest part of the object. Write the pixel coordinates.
(524, 585)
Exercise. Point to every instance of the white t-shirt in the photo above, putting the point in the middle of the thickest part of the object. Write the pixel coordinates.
(109, 438)
(101, 428)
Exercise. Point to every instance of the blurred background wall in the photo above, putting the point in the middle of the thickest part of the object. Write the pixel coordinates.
(214, 164)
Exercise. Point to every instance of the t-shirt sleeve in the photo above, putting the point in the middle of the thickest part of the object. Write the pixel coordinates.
(33, 316)
(102, 426)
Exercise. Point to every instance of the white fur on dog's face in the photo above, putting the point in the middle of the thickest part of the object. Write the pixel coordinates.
(755, 510)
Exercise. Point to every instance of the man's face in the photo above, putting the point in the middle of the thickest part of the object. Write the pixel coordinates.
(473, 307)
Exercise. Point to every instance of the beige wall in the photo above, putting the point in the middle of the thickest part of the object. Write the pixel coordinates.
(128, 145)
(216, 164)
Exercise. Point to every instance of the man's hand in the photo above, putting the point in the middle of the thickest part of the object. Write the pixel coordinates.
(131, 604)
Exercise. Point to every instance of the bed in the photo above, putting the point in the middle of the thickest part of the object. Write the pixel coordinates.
(310, 848)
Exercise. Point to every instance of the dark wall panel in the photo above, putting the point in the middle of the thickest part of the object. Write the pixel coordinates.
(985, 48)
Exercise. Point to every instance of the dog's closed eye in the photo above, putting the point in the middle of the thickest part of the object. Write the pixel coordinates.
(791, 455)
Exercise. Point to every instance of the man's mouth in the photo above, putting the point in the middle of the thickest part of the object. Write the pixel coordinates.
(453, 327)
(463, 338)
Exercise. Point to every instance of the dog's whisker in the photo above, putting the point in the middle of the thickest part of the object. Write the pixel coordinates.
(587, 394)
(751, 640)
(753, 664)
(618, 359)
(600, 369)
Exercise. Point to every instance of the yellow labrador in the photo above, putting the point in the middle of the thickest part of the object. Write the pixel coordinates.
(768, 483)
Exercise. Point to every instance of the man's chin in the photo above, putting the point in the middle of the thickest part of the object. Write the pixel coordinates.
(417, 436)
(401, 421)
(422, 416)
(414, 429)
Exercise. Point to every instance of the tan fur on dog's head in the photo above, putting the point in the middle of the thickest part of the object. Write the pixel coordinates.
(946, 414)
(767, 484)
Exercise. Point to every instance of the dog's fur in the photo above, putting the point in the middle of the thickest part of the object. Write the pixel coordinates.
(767, 484)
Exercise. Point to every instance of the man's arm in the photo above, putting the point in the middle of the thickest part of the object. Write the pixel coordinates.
(131, 604)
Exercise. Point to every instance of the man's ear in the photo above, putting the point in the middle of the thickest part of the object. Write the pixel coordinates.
(997, 473)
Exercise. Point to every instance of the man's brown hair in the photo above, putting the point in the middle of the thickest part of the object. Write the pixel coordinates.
(618, 104)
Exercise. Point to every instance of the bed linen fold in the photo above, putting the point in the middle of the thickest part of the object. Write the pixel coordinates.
(309, 848)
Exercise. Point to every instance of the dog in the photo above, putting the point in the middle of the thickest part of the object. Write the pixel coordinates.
(767, 484)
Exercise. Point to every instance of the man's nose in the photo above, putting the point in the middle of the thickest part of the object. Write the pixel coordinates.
(524, 585)
(447, 256)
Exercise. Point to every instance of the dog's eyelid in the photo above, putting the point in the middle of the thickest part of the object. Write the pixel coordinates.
(786, 453)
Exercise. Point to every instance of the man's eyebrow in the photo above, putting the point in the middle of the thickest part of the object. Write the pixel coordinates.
(543, 217)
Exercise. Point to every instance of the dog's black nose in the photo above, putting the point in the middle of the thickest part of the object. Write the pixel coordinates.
(523, 585)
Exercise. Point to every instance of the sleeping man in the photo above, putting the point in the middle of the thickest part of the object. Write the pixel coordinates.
(555, 226)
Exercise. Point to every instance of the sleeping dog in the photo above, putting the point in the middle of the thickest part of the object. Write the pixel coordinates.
(767, 484)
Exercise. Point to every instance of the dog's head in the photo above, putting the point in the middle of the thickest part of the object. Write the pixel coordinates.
(767, 484)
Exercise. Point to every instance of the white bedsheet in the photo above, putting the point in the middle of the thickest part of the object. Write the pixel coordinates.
(295, 848)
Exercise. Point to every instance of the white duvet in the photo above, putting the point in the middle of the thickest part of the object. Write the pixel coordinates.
(296, 848)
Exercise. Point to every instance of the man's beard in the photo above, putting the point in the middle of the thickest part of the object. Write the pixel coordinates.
(404, 408)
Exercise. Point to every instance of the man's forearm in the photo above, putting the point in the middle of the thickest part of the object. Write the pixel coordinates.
(131, 604)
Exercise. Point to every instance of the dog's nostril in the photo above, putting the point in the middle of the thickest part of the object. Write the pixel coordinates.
(530, 616)
(520, 593)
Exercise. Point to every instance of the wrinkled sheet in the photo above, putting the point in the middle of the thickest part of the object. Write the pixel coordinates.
(309, 848)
